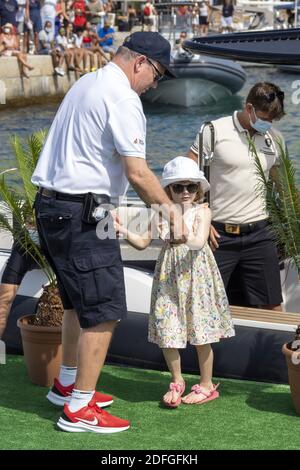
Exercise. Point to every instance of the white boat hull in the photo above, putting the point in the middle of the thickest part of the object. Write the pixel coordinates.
(187, 92)
(200, 81)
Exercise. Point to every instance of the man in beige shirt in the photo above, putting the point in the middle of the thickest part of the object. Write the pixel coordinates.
(240, 234)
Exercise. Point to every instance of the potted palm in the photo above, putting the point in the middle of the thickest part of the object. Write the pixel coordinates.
(41, 332)
(292, 355)
(283, 206)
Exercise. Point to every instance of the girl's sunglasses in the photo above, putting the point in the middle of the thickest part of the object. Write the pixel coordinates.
(179, 188)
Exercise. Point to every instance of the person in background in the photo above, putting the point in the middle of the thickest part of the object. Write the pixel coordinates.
(95, 13)
(48, 12)
(227, 16)
(80, 53)
(47, 46)
(92, 49)
(33, 24)
(179, 43)
(79, 8)
(46, 39)
(8, 12)
(61, 43)
(106, 39)
(20, 17)
(132, 16)
(203, 17)
(195, 19)
(149, 16)
(290, 18)
(10, 46)
(240, 232)
(61, 13)
(60, 22)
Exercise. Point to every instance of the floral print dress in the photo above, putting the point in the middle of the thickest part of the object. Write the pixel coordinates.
(189, 301)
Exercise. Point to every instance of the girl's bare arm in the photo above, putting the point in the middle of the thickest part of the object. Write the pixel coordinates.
(201, 229)
(140, 242)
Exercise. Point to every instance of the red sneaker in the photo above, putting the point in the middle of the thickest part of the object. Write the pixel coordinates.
(91, 418)
(59, 395)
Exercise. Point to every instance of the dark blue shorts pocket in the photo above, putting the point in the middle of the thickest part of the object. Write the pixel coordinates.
(55, 231)
(99, 274)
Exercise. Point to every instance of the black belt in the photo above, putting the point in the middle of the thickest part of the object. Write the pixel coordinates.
(101, 198)
(238, 229)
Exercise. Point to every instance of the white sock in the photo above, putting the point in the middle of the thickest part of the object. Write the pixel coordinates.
(67, 375)
(80, 399)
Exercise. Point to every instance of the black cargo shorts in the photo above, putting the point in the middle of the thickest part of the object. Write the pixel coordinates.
(89, 270)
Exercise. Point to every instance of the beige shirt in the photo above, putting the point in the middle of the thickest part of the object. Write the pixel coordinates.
(233, 195)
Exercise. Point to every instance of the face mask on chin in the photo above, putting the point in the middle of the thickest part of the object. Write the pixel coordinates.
(260, 125)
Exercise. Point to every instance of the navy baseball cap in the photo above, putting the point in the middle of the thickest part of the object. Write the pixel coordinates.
(152, 45)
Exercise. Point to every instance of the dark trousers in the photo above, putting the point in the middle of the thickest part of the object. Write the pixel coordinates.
(251, 261)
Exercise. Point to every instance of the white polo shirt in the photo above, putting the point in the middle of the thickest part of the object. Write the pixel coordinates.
(99, 122)
(233, 177)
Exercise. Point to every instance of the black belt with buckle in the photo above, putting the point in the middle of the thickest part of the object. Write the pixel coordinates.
(101, 198)
(239, 229)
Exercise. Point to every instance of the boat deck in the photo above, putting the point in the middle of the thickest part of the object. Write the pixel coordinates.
(283, 320)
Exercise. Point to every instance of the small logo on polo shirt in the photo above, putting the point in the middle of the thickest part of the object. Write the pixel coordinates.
(268, 141)
(138, 141)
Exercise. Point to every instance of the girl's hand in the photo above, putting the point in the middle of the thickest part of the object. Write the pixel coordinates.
(117, 224)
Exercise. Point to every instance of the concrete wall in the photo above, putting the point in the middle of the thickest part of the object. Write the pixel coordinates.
(42, 81)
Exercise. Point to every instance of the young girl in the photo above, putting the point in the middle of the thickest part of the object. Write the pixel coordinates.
(188, 302)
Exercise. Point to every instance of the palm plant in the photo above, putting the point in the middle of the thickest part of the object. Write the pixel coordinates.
(18, 202)
(282, 202)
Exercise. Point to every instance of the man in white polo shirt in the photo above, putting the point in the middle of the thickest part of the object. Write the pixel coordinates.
(96, 144)
(240, 234)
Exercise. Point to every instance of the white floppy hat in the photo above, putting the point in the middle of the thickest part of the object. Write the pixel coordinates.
(183, 169)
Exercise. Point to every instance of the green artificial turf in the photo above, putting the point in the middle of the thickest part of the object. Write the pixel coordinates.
(248, 415)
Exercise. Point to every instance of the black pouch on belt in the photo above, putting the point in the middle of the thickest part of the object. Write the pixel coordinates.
(92, 211)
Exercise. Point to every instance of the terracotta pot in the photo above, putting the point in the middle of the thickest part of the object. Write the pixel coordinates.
(42, 351)
(294, 377)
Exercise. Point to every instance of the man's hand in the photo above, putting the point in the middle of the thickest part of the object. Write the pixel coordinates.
(179, 232)
(213, 238)
(150, 191)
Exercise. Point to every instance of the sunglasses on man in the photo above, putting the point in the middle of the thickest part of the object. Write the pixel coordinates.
(178, 188)
(157, 74)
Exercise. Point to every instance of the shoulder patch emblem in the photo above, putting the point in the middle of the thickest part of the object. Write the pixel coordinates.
(268, 141)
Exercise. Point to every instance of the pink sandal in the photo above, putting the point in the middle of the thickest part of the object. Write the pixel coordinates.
(211, 395)
(179, 388)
